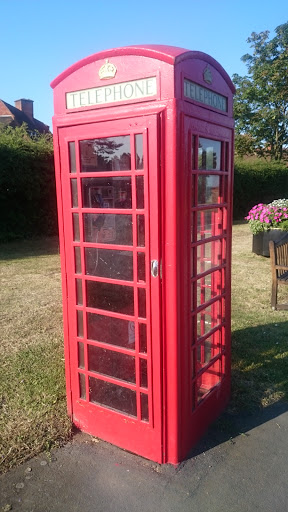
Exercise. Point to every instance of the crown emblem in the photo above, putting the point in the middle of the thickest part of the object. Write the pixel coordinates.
(207, 75)
(108, 70)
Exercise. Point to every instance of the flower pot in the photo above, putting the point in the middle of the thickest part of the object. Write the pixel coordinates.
(260, 242)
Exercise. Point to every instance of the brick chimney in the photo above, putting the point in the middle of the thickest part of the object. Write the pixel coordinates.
(26, 106)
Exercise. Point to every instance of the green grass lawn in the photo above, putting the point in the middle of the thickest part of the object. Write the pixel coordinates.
(259, 334)
(32, 386)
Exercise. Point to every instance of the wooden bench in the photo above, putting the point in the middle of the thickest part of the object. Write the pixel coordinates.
(279, 266)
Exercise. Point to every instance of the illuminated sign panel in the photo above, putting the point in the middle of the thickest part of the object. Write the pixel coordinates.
(133, 90)
(198, 93)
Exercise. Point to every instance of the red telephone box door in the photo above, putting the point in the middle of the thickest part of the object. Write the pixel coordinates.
(110, 221)
(209, 185)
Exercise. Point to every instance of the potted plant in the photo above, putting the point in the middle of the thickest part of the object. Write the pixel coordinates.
(267, 222)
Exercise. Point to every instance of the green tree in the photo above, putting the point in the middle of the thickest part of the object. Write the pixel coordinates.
(261, 100)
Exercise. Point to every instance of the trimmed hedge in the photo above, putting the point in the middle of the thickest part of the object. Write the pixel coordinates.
(27, 185)
(257, 181)
(28, 205)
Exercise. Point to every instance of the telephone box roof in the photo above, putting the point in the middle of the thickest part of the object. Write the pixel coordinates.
(170, 54)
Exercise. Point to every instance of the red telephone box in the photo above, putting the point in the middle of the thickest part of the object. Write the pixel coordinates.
(144, 155)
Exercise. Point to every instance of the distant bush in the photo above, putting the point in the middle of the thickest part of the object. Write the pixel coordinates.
(257, 181)
(27, 184)
(28, 205)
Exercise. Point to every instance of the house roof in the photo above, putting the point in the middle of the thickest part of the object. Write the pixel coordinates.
(18, 117)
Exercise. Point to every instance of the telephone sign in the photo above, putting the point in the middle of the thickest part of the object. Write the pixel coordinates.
(135, 89)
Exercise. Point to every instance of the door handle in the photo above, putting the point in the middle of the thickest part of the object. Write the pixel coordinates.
(154, 268)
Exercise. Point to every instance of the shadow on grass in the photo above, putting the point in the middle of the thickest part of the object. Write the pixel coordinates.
(259, 384)
(20, 249)
(259, 365)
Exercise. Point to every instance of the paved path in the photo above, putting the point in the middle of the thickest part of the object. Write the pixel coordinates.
(240, 466)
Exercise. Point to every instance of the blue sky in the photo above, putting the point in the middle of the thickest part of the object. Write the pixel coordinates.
(40, 39)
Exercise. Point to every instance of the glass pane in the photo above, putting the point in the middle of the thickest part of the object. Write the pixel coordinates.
(112, 297)
(209, 154)
(208, 349)
(141, 266)
(74, 193)
(139, 192)
(193, 190)
(80, 324)
(144, 407)
(107, 154)
(114, 364)
(208, 318)
(208, 189)
(143, 373)
(208, 287)
(82, 386)
(139, 151)
(109, 263)
(105, 228)
(77, 255)
(131, 334)
(112, 396)
(204, 292)
(209, 223)
(72, 156)
(114, 331)
(208, 380)
(79, 294)
(142, 302)
(76, 227)
(193, 359)
(107, 192)
(140, 231)
(142, 338)
(81, 360)
(209, 256)
(202, 350)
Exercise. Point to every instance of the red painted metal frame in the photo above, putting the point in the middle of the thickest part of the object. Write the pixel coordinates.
(171, 121)
(200, 414)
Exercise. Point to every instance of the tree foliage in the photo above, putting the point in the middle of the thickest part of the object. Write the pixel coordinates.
(27, 184)
(261, 100)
